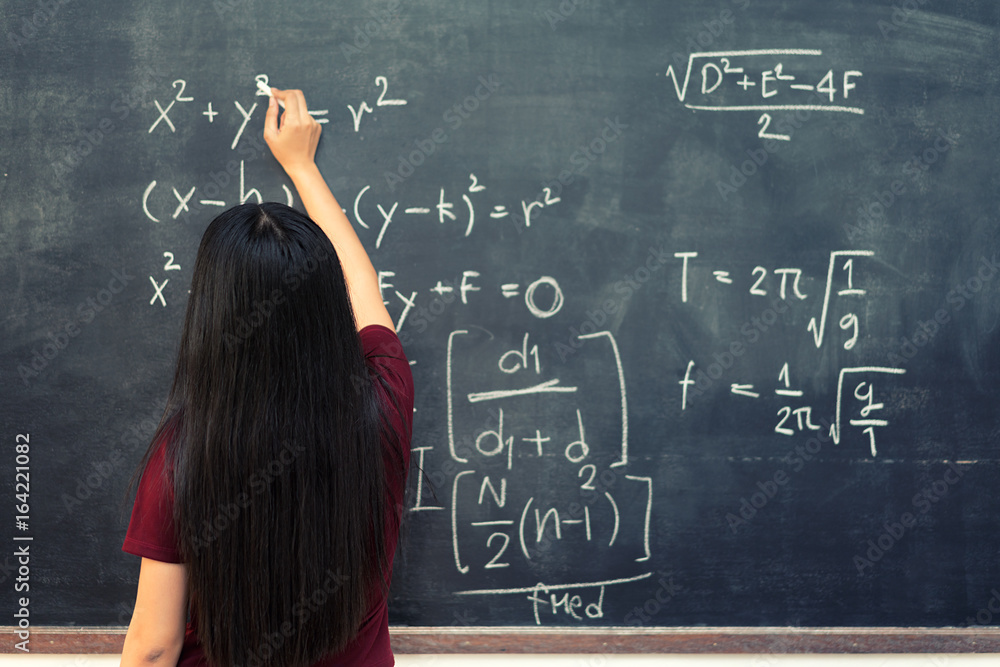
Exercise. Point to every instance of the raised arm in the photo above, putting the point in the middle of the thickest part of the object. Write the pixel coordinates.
(293, 140)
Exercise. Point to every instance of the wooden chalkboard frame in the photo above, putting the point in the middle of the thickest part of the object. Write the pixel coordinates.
(422, 640)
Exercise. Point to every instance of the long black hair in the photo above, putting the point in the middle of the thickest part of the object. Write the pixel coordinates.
(277, 448)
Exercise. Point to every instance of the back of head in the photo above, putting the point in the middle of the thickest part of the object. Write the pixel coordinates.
(278, 471)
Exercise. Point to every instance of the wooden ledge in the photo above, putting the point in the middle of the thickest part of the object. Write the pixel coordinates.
(412, 640)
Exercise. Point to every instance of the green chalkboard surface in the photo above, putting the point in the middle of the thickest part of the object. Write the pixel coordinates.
(702, 297)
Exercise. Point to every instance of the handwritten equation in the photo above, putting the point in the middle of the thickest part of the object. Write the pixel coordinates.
(454, 206)
(444, 211)
(210, 192)
(496, 525)
(760, 80)
(858, 401)
(165, 122)
(789, 287)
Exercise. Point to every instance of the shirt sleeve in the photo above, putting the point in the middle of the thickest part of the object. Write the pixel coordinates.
(151, 529)
(385, 356)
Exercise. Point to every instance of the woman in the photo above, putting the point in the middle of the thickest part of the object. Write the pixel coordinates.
(270, 499)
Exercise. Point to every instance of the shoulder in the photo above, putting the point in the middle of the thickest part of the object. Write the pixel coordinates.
(378, 340)
(157, 476)
(385, 355)
(391, 376)
(159, 466)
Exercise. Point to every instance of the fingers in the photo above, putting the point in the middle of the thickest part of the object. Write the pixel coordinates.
(271, 118)
(291, 135)
(295, 103)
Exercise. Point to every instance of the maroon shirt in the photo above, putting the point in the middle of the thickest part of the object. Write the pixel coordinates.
(151, 529)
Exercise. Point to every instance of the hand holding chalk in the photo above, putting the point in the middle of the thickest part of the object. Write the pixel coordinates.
(264, 89)
(293, 140)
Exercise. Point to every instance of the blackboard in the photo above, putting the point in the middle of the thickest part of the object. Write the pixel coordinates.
(707, 291)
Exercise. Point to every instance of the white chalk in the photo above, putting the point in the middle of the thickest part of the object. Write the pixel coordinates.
(264, 89)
